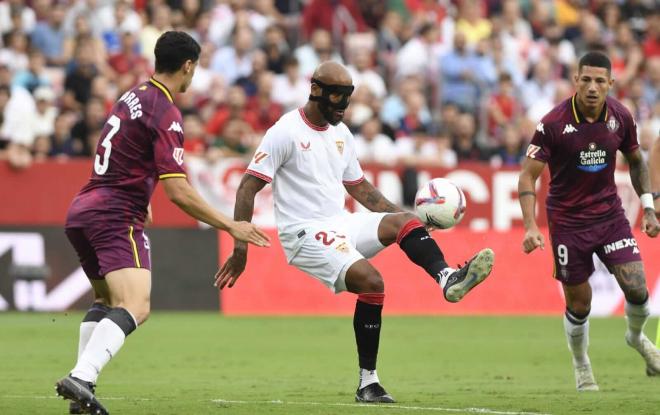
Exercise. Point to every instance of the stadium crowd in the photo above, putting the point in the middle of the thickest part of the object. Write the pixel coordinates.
(437, 81)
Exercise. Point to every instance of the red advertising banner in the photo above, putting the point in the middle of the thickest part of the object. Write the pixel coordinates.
(519, 283)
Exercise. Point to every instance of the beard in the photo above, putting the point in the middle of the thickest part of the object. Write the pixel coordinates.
(328, 112)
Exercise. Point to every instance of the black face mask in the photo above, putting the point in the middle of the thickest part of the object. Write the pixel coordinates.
(326, 106)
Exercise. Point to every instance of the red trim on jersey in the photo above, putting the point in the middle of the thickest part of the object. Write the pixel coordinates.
(259, 175)
(309, 124)
(353, 182)
(410, 226)
(372, 298)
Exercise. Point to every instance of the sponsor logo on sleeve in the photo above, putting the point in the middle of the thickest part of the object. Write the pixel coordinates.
(175, 126)
(259, 156)
(178, 155)
(532, 150)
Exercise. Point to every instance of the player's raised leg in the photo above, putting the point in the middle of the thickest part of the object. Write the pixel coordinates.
(576, 327)
(413, 238)
(365, 281)
(632, 281)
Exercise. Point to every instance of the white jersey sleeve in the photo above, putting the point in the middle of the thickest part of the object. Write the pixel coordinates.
(274, 150)
(353, 173)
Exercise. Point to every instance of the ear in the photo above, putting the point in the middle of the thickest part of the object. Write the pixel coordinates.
(187, 67)
(316, 90)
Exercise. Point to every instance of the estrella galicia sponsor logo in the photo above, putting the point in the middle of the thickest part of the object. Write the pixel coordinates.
(621, 244)
(593, 159)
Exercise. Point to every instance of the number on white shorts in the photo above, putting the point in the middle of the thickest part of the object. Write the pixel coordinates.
(562, 253)
(102, 167)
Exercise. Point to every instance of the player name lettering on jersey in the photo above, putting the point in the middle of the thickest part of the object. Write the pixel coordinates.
(620, 244)
(133, 102)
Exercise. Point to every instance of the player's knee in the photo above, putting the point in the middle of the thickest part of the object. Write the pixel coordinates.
(374, 284)
(636, 295)
(139, 310)
(579, 310)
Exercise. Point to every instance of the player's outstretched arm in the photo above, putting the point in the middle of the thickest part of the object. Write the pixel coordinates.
(531, 170)
(371, 198)
(182, 194)
(639, 176)
(243, 210)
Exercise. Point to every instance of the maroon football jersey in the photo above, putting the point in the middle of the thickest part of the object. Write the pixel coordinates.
(582, 157)
(141, 142)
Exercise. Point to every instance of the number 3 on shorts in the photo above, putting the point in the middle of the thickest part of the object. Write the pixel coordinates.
(101, 167)
(562, 254)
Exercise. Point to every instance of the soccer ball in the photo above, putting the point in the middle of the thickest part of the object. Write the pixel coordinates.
(440, 203)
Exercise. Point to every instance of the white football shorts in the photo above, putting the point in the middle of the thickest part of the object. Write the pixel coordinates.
(326, 249)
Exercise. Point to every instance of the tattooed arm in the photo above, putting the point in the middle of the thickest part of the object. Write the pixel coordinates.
(371, 198)
(639, 176)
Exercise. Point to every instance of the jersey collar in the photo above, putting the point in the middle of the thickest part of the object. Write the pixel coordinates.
(580, 118)
(162, 88)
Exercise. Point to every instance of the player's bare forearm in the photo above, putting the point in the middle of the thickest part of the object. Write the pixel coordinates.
(244, 206)
(531, 170)
(639, 173)
(371, 198)
(182, 194)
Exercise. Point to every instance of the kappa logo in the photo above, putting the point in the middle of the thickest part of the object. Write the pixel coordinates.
(305, 147)
(177, 154)
(175, 126)
(568, 128)
(539, 128)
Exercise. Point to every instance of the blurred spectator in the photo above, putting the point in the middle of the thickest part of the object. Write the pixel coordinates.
(204, 77)
(471, 23)
(414, 57)
(80, 73)
(83, 33)
(464, 139)
(338, 17)
(128, 65)
(422, 150)
(125, 20)
(232, 141)
(15, 52)
(415, 120)
(233, 62)
(45, 113)
(34, 75)
(276, 48)
(394, 107)
(651, 88)
(562, 90)
(266, 111)
(48, 36)
(361, 109)
(90, 125)
(291, 89)
(512, 150)
(647, 135)
(540, 87)
(465, 75)
(371, 145)
(196, 141)
(234, 107)
(319, 49)
(503, 107)
(12, 10)
(363, 73)
(259, 66)
(651, 44)
(159, 24)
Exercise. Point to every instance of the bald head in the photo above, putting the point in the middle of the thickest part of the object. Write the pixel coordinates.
(332, 73)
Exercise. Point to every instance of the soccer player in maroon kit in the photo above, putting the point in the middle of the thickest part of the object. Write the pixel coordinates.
(579, 139)
(141, 144)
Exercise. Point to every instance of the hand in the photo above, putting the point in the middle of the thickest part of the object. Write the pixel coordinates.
(650, 225)
(533, 239)
(247, 232)
(231, 270)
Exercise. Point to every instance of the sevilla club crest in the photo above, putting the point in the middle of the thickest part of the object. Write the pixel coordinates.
(340, 147)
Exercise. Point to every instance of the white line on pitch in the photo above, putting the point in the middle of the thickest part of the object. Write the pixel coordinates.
(386, 406)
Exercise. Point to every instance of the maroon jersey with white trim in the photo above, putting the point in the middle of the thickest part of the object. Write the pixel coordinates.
(582, 158)
(141, 142)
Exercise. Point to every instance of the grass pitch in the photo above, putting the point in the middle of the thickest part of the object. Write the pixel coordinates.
(203, 363)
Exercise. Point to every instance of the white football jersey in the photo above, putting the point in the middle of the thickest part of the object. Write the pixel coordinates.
(308, 167)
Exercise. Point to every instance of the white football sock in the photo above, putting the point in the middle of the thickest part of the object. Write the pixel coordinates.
(86, 330)
(444, 276)
(105, 342)
(636, 317)
(577, 336)
(367, 377)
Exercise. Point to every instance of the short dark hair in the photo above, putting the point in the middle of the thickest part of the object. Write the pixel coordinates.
(173, 49)
(597, 59)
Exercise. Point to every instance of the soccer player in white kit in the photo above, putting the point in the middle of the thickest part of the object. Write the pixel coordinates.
(309, 157)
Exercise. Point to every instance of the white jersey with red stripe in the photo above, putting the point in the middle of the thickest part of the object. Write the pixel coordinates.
(308, 167)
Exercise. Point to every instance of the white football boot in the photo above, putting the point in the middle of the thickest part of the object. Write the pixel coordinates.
(649, 352)
(584, 378)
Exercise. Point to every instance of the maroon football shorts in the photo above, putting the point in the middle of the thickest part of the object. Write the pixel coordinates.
(573, 251)
(109, 247)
